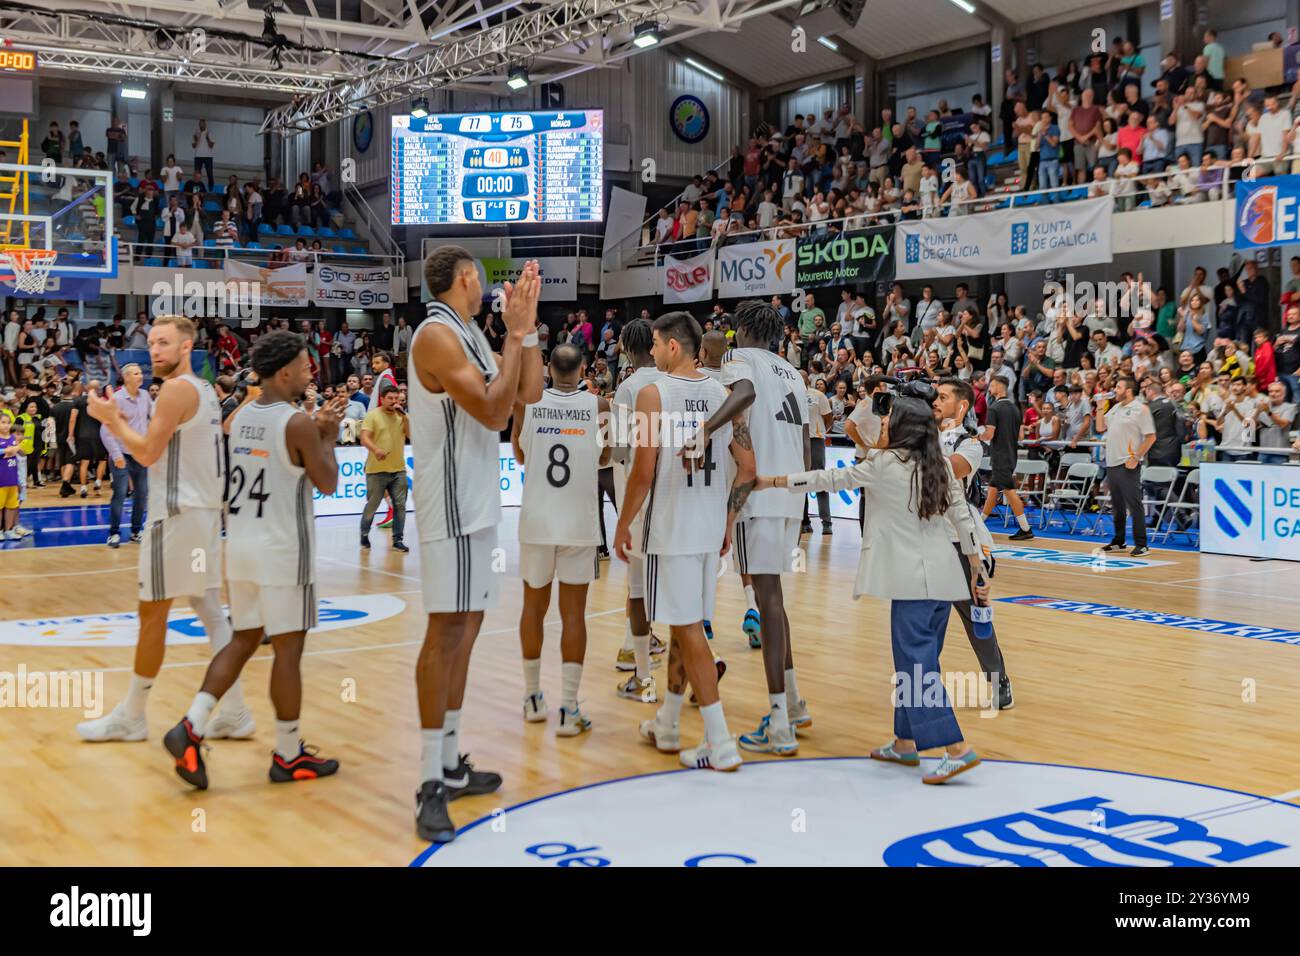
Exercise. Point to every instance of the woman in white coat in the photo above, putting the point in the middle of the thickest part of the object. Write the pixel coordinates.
(908, 559)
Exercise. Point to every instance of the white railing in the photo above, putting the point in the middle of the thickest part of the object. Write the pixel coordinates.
(572, 244)
(1135, 192)
(214, 256)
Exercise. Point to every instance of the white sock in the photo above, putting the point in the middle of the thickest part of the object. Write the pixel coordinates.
(749, 596)
(1023, 522)
(791, 687)
(431, 754)
(217, 625)
(715, 724)
(779, 713)
(287, 739)
(450, 740)
(641, 650)
(137, 696)
(532, 676)
(671, 712)
(627, 637)
(570, 678)
(200, 711)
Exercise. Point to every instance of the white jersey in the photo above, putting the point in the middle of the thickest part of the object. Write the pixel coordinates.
(958, 443)
(561, 444)
(623, 407)
(776, 421)
(713, 373)
(457, 469)
(270, 521)
(686, 512)
(190, 473)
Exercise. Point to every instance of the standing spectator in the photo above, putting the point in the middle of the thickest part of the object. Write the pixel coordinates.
(136, 407)
(10, 478)
(384, 433)
(1001, 433)
(184, 242)
(76, 149)
(204, 147)
(171, 178)
(1275, 422)
(118, 155)
(173, 218)
(137, 337)
(1129, 434)
(252, 210)
(53, 144)
(1214, 57)
(146, 210)
(403, 333)
(226, 233)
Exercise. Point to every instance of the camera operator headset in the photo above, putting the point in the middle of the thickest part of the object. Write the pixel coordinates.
(958, 437)
(907, 558)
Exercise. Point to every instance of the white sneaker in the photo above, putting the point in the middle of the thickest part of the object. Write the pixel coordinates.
(667, 740)
(800, 719)
(231, 724)
(707, 757)
(572, 723)
(639, 689)
(115, 725)
(12, 536)
(535, 708)
(23, 532)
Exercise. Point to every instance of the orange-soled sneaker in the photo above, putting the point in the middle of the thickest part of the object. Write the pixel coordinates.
(306, 766)
(186, 748)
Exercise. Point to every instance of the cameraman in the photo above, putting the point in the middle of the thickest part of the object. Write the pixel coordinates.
(964, 452)
(912, 489)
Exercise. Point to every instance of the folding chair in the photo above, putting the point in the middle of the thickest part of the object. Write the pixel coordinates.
(1188, 502)
(1071, 494)
(1063, 468)
(1159, 475)
(1028, 468)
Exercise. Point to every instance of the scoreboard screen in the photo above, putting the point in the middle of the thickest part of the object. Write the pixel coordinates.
(498, 167)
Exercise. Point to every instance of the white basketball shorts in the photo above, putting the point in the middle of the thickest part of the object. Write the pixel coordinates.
(457, 574)
(540, 564)
(275, 610)
(680, 588)
(180, 555)
(765, 545)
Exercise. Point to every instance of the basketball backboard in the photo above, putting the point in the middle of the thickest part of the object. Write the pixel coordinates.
(66, 211)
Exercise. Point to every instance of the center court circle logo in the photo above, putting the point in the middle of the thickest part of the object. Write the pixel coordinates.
(121, 630)
(852, 811)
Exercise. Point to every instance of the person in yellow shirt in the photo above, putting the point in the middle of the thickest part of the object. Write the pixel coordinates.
(384, 433)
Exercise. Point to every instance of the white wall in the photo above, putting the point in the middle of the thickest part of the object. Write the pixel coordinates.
(823, 97)
(954, 77)
(92, 107)
(234, 129)
(1243, 23)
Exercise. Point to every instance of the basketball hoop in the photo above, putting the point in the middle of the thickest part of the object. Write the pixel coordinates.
(31, 268)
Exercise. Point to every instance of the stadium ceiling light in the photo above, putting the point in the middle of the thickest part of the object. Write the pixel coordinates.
(645, 35)
(517, 78)
(133, 93)
(804, 89)
(829, 44)
(705, 70)
(420, 107)
(968, 7)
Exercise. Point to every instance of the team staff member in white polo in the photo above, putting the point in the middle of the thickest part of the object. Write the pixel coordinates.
(1129, 433)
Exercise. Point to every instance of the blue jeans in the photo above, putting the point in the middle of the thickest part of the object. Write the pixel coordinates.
(916, 630)
(975, 169)
(1274, 459)
(1049, 177)
(139, 478)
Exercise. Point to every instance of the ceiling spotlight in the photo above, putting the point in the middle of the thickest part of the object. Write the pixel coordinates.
(420, 107)
(829, 44)
(133, 93)
(645, 34)
(517, 78)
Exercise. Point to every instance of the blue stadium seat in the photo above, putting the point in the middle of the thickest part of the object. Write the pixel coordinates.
(153, 261)
(285, 230)
(129, 221)
(265, 229)
(325, 232)
(307, 232)
(171, 264)
(158, 223)
(254, 245)
(209, 243)
(347, 233)
(134, 182)
(200, 263)
(212, 206)
(338, 249)
(359, 250)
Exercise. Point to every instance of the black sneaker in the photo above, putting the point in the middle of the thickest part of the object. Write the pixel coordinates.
(399, 546)
(305, 766)
(1005, 700)
(1114, 546)
(365, 542)
(602, 553)
(1139, 550)
(1024, 534)
(66, 490)
(137, 537)
(805, 528)
(465, 781)
(826, 529)
(187, 750)
(432, 821)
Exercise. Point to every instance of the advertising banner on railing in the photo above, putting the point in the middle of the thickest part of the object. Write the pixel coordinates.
(353, 287)
(559, 275)
(688, 280)
(1266, 212)
(756, 268)
(1251, 510)
(1012, 240)
(857, 257)
(288, 286)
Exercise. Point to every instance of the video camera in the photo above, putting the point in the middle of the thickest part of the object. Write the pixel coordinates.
(882, 403)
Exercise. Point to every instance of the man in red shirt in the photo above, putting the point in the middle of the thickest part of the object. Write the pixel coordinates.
(1265, 363)
(1130, 136)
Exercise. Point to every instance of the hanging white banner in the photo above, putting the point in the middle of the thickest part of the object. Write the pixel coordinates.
(288, 286)
(688, 280)
(756, 268)
(1011, 240)
(353, 287)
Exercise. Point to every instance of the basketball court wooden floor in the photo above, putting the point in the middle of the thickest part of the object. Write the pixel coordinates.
(1092, 691)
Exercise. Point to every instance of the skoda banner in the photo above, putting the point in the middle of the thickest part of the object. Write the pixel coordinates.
(756, 269)
(1013, 240)
(359, 287)
(859, 257)
(1266, 212)
(688, 280)
(1251, 510)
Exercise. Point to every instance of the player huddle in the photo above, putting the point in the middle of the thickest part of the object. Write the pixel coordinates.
(686, 498)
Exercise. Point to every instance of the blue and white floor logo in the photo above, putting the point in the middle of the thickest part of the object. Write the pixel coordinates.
(121, 630)
(1233, 513)
(852, 811)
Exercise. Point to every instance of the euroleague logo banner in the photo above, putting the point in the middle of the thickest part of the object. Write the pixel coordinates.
(688, 280)
(1266, 212)
(759, 268)
(369, 287)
